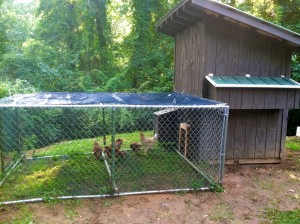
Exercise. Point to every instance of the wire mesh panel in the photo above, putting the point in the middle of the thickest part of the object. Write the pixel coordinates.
(75, 151)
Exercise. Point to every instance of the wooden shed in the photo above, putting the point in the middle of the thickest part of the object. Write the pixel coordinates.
(228, 55)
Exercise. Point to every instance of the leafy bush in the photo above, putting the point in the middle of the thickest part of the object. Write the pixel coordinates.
(3, 91)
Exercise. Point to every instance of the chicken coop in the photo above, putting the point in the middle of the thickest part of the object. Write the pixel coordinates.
(224, 54)
(80, 145)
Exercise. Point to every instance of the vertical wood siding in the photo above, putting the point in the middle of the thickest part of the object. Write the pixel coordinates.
(189, 60)
(254, 134)
(221, 48)
(251, 98)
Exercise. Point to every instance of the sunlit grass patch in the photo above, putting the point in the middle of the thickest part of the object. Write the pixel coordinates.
(52, 177)
(85, 145)
(293, 143)
(283, 217)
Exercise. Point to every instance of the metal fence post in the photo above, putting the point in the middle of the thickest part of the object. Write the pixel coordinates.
(19, 132)
(223, 145)
(2, 141)
(113, 147)
(104, 125)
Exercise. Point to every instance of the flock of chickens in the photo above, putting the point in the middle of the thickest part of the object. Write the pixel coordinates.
(145, 144)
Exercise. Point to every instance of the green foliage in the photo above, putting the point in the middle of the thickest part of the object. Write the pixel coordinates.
(296, 68)
(151, 60)
(217, 188)
(3, 91)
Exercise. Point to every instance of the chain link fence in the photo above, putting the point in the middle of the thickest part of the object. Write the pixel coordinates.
(55, 152)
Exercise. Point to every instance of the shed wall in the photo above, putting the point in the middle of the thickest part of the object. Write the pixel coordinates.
(222, 48)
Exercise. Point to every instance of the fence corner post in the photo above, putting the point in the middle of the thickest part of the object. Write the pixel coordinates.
(223, 145)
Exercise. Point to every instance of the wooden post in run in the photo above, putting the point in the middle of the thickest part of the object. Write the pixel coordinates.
(183, 134)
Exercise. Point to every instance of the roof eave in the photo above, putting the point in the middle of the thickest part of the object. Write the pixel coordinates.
(261, 26)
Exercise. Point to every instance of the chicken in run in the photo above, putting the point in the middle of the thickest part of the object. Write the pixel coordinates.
(118, 152)
(135, 146)
(148, 142)
(97, 150)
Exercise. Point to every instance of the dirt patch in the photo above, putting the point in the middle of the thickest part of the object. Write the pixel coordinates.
(249, 191)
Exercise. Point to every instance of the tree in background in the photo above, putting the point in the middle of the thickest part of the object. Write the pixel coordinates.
(2, 33)
(150, 67)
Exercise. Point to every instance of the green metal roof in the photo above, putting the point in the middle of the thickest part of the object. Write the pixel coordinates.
(252, 82)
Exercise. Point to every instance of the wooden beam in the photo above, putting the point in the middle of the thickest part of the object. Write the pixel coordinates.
(192, 12)
(165, 28)
(179, 15)
(175, 25)
(180, 20)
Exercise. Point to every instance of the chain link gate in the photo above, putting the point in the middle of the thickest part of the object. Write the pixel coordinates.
(78, 151)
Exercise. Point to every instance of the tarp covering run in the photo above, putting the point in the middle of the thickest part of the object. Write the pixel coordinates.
(61, 99)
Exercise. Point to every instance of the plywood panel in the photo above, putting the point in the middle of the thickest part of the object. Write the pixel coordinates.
(256, 52)
(259, 99)
(279, 133)
(198, 55)
(222, 50)
(250, 135)
(244, 54)
(223, 95)
(210, 47)
(235, 101)
(239, 135)
(189, 60)
(276, 60)
(270, 99)
(233, 52)
(272, 116)
(283, 132)
(261, 134)
(291, 99)
(247, 98)
(265, 62)
(211, 92)
(230, 135)
(281, 98)
(288, 70)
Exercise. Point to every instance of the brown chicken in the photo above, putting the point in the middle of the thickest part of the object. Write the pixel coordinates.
(118, 144)
(148, 142)
(97, 150)
(135, 146)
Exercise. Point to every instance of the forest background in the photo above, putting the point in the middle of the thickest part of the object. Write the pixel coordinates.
(104, 45)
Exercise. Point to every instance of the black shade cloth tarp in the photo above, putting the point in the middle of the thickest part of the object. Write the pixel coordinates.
(105, 99)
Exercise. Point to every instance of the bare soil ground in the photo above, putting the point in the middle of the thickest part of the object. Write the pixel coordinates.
(249, 191)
